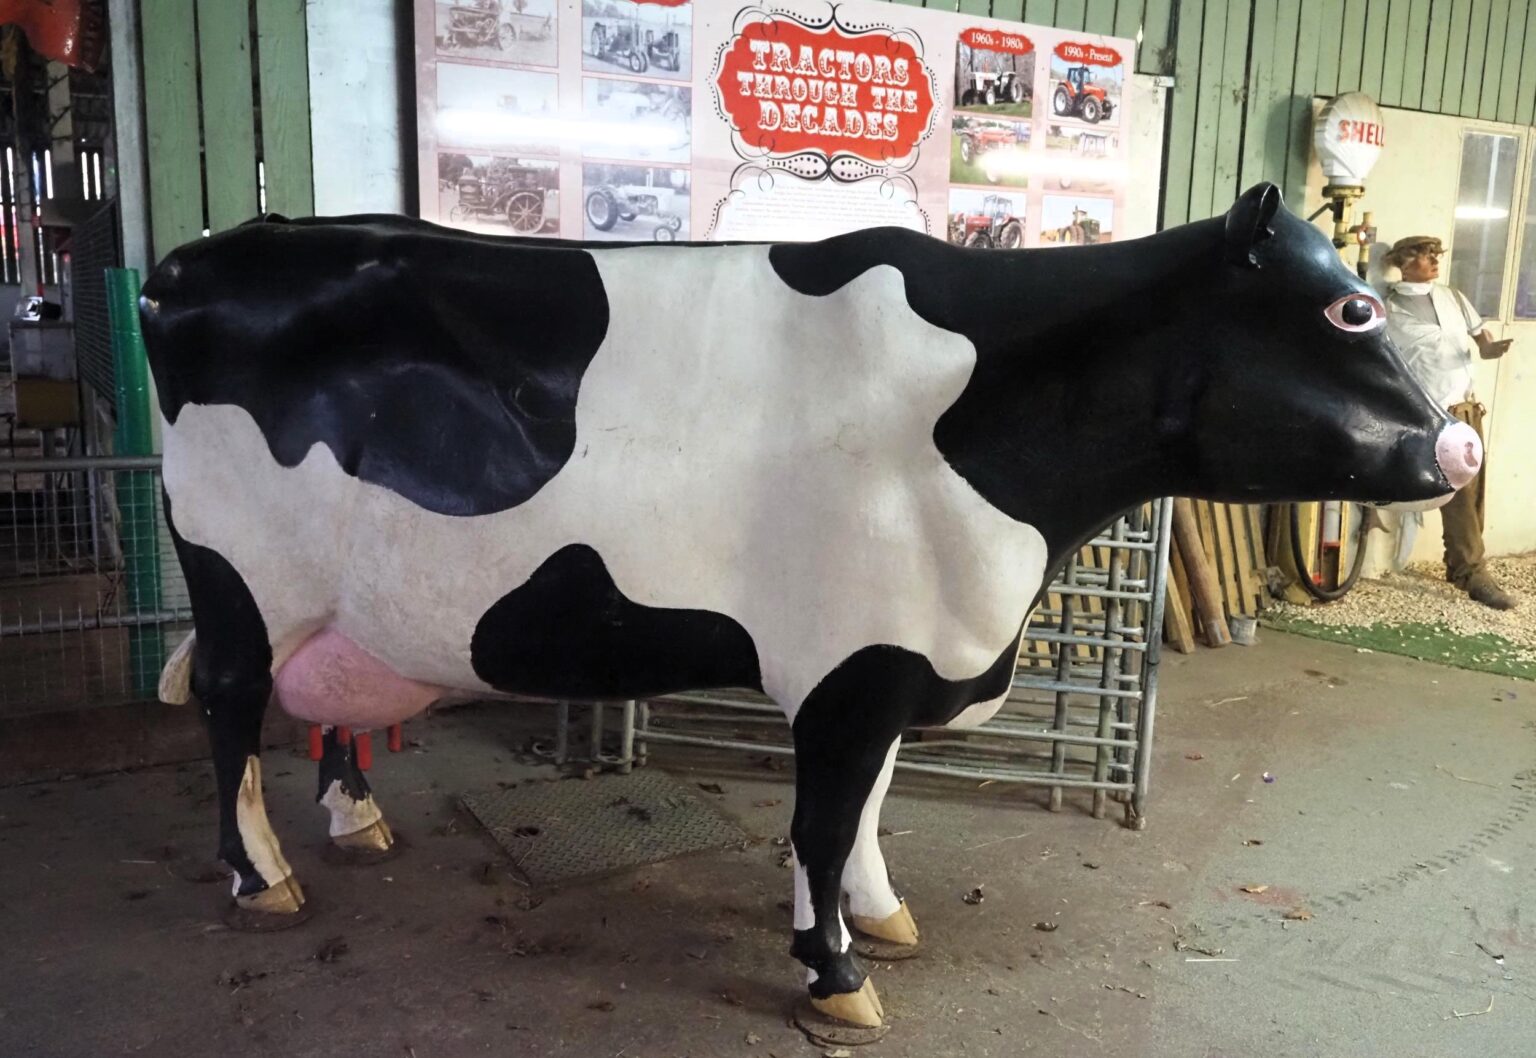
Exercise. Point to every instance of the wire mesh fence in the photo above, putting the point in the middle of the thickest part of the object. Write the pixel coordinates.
(91, 597)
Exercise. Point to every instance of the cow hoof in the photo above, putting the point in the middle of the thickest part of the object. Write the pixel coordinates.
(896, 928)
(280, 906)
(375, 837)
(861, 1008)
(842, 1021)
(374, 844)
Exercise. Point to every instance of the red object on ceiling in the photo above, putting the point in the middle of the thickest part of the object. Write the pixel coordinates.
(73, 32)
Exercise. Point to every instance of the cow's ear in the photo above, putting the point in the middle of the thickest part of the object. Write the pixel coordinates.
(1249, 223)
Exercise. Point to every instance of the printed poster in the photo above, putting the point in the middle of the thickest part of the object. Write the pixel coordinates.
(661, 120)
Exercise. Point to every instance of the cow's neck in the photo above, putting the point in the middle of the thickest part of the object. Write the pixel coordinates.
(1069, 418)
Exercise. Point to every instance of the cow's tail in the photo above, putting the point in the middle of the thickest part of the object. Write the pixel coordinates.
(176, 677)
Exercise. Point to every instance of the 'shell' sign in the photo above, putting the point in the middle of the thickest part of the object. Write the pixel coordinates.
(788, 87)
(1084, 52)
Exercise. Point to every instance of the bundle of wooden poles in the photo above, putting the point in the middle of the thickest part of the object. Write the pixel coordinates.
(1216, 571)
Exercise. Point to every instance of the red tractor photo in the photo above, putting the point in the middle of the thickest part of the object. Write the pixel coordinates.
(1076, 98)
(995, 227)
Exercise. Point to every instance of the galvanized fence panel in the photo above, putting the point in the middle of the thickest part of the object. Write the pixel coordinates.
(91, 596)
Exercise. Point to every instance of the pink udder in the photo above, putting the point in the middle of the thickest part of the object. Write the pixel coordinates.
(332, 680)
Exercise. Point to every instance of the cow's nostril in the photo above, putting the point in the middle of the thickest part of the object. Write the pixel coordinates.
(1459, 451)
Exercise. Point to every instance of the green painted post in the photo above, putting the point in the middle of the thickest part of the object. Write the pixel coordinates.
(137, 496)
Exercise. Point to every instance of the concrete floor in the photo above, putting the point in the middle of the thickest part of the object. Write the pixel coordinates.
(1399, 818)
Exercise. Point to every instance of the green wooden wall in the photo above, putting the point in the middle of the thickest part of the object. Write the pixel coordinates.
(1245, 72)
(247, 61)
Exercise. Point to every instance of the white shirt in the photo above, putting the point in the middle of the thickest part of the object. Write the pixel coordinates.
(1432, 327)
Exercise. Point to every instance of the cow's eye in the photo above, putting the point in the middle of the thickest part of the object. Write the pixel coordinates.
(1356, 313)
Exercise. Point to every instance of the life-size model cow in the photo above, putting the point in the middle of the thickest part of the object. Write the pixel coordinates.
(402, 461)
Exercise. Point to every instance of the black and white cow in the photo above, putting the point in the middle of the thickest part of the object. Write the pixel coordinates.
(403, 462)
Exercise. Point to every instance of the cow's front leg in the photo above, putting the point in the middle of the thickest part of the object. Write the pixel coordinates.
(878, 910)
(836, 768)
(357, 824)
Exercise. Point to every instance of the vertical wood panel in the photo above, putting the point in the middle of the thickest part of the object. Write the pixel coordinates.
(1040, 12)
(1202, 179)
(1351, 45)
(282, 48)
(1436, 50)
(1128, 17)
(1477, 55)
(982, 8)
(1311, 32)
(1183, 111)
(1456, 57)
(1157, 44)
(1525, 93)
(1277, 114)
(1070, 13)
(1391, 93)
(169, 44)
(1012, 10)
(1414, 49)
(1517, 44)
(1330, 19)
(1100, 17)
(1253, 160)
(1374, 47)
(1232, 108)
(229, 125)
(1493, 61)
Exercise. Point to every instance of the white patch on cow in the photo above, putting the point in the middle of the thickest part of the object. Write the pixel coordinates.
(349, 816)
(864, 875)
(261, 845)
(763, 454)
(805, 917)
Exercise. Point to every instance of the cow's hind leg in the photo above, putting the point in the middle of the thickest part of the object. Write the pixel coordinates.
(878, 910)
(231, 679)
(357, 824)
(839, 759)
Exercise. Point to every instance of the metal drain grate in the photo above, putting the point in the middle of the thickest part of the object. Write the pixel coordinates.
(559, 831)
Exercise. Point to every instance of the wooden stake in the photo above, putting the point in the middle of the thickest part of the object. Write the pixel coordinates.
(1202, 582)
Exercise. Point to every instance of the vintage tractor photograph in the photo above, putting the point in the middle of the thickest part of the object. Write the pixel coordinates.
(504, 30)
(984, 150)
(509, 195)
(993, 224)
(629, 202)
(994, 82)
(1076, 96)
(641, 38)
(1071, 221)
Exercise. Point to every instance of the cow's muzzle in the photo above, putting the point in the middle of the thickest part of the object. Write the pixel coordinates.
(1459, 451)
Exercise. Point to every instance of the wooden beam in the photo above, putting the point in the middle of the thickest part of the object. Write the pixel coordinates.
(169, 46)
(229, 112)
(1202, 583)
(282, 46)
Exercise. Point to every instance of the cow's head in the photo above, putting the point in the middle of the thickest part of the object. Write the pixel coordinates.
(1294, 391)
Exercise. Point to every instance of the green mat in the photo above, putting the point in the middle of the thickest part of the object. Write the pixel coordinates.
(1483, 652)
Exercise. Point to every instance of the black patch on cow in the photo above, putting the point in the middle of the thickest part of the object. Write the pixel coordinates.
(231, 680)
(442, 367)
(1108, 375)
(843, 732)
(570, 633)
(338, 764)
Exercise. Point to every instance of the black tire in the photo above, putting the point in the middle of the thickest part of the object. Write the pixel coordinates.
(968, 97)
(1092, 111)
(1061, 103)
(597, 43)
(664, 234)
(989, 95)
(979, 240)
(506, 35)
(1304, 574)
(1012, 235)
(673, 223)
(1015, 91)
(637, 63)
(525, 212)
(458, 214)
(606, 212)
(967, 150)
